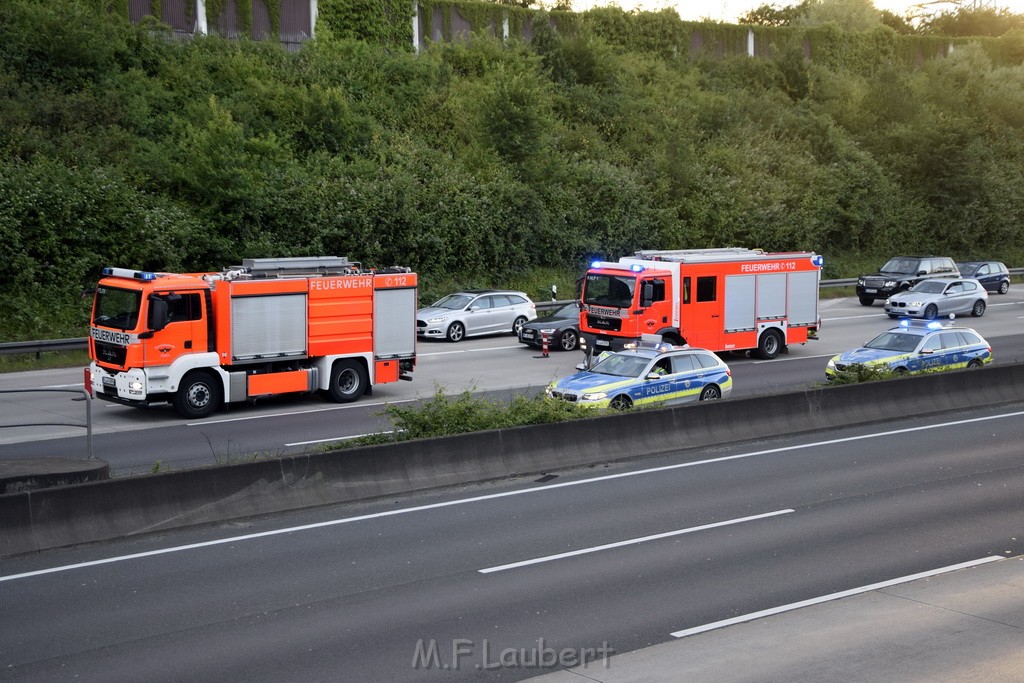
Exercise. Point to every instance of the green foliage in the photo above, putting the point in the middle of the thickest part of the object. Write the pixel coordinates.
(444, 415)
(487, 162)
(858, 372)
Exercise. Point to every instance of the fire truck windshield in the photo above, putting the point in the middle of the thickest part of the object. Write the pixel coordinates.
(118, 308)
(609, 290)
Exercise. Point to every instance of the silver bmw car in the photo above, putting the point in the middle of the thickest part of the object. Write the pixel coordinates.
(939, 297)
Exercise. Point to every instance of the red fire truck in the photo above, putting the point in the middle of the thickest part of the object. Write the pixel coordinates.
(267, 327)
(719, 299)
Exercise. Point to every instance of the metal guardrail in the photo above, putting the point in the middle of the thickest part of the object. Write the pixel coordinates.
(79, 343)
(88, 413)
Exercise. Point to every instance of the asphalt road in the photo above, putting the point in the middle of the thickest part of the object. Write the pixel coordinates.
(136, 440)
(439, 586)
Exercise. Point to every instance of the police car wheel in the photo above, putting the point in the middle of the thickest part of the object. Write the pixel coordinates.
(710, 393)
(974, 363)
(901, 371)
(621, 403)
(979, 309)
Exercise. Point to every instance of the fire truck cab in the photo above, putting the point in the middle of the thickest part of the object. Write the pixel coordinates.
(267, 327)
(719, 299)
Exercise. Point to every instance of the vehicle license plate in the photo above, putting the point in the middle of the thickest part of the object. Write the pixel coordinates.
(601, 342)
(108, 382)
(527, 334)
(871, 291)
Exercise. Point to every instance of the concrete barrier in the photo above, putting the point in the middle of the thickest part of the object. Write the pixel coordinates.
(47, 518)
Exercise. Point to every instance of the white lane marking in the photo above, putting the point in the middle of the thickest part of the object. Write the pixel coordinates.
(631, 541)
(359, 404)
(782, 360)
(855, 317)
(832, 596)
(506, 494)
(338, 438)
(446, 353)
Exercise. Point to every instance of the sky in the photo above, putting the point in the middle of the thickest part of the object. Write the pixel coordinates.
(729, 10)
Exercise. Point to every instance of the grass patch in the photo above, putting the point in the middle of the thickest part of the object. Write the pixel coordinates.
(443, 415)
(44, 360)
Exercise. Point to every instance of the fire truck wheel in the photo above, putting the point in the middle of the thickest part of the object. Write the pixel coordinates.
(348, 381)
(710, 393)
(621, 402)
(456, 332)
(769, 345)
(518, 325)
(198, 396)
(568, 341)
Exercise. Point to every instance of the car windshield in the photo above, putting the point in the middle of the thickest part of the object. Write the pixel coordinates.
(622, 365)
(569, 310)
(454, 302)
(609, 290)
(117, 308)
(894, 341)
(929, 287)
(899, 265)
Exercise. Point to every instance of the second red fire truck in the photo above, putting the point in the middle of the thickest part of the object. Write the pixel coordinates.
(729, 299)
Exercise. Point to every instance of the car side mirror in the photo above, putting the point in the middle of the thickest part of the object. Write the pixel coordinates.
(581, 366)
(922, 272)
(653, 375)
(926, 352)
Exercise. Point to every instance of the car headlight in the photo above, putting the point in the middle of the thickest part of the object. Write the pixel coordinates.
(917, 304)
(135, 385)
(831, 364)
(596, 396)
(437, 319)
(548, 330)
(860, 281)
(890, 283)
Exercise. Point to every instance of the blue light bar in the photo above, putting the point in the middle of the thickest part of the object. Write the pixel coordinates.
(934, 325)
(818, 260)
(905, 322)
(595, 264)
(636, 268)
(129, 273)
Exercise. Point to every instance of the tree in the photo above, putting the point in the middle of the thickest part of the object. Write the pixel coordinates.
(850, 15)
(773, 15)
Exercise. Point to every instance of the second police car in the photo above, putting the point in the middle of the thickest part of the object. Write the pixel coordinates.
(644, 375)
(917, 346)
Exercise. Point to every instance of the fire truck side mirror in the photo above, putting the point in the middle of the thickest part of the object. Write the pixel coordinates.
(647, 295)
(159, 314)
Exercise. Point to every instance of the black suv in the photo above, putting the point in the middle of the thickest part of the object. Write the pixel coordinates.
(900, 273)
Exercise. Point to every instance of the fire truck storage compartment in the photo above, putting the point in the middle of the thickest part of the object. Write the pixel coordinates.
(739, 302)
(394, 323)
(268, 327)
(771, 296)
(803, 297)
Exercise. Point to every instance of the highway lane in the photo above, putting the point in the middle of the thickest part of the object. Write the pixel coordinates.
(496, 364)
(350, 592)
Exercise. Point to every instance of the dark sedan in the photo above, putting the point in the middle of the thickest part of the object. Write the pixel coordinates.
(992, 275)
(562, 326)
